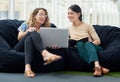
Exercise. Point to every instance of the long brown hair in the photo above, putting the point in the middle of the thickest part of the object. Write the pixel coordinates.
(31, 21)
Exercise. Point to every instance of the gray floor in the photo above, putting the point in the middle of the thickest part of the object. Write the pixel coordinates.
(52, 77)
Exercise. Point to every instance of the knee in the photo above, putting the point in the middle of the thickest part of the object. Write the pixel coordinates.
(34, 32)
(28, 39)
(28, 34)
(35, 35)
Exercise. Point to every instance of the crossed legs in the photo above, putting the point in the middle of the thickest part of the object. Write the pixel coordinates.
(31, 46)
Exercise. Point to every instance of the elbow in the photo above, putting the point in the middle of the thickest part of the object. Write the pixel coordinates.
(19, 37)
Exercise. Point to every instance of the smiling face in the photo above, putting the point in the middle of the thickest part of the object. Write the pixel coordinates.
(73, 16)
(41, 16)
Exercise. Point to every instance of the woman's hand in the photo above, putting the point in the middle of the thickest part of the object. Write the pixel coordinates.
(96, 42)
(31, 29)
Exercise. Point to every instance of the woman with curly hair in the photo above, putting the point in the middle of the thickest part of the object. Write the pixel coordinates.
(30, 41)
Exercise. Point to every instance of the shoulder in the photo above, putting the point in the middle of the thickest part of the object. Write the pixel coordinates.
(87, 25)
(23, 26)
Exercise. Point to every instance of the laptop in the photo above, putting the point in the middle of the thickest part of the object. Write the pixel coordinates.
(54, 37)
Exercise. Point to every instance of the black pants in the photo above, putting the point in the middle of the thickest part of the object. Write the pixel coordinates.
(32, 46)
(20, 45)
(28, 44)
(33, 49)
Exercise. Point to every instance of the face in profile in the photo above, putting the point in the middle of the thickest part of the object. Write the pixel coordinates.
(41, 16)
(73, 16)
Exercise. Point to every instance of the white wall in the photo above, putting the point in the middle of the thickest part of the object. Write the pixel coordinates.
(103, 12)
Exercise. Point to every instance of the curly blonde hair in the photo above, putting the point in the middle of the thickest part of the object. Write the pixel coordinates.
(31, 21)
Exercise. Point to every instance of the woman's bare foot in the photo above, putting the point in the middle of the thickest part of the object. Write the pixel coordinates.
(49, 57)
(97, 72)
(105, 70)
(28, 72)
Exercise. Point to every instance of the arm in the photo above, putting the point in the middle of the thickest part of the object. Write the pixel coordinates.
(23, 30)
(94, 35)
(97, 42)
(21, 35)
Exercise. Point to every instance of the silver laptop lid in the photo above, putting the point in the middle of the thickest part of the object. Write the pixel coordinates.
(54, 37)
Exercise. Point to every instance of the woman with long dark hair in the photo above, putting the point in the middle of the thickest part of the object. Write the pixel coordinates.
(84, 37)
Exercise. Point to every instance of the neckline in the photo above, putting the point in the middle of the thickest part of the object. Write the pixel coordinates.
(77, 25)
